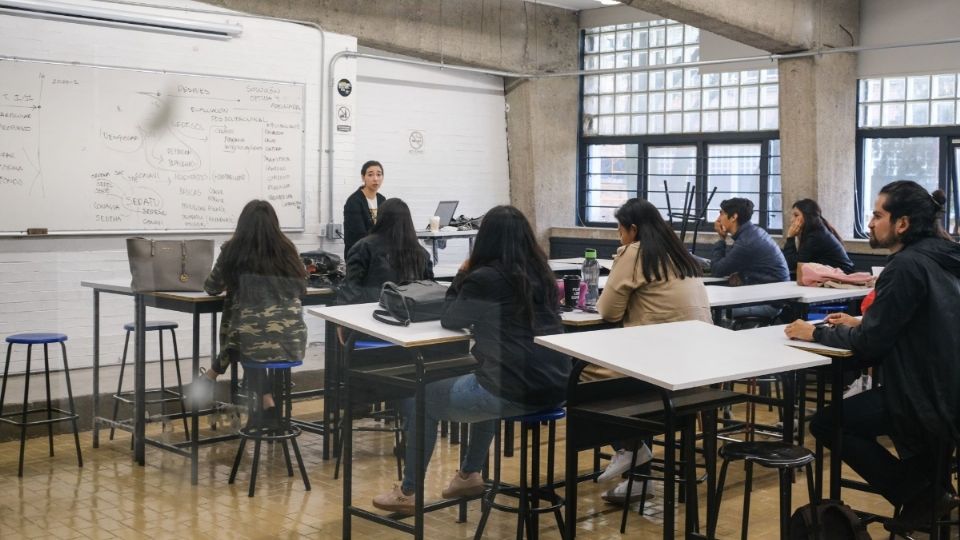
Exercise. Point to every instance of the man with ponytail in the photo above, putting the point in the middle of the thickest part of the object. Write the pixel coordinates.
(911, 330)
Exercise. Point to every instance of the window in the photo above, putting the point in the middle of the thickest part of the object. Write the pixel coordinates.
(909, 129)
(652, 133)
(663, 173)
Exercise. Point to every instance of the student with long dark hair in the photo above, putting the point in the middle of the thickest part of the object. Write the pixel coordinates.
(911, 330)
(811, 238)
(362, 207)
(653, 280)
(507, 294)
(391, 252)
(263, 276)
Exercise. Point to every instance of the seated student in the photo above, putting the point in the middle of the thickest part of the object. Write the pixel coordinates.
(811, 238)
(911, 329)
(263, 276)
(753, 258)
(391, 252)
(507, 294)
(653, 280)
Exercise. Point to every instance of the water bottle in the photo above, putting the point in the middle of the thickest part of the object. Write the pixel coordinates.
(590, 274)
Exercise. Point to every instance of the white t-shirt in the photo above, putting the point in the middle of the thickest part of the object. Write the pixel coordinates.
(372, 204)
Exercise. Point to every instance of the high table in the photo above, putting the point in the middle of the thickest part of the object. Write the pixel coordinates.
(195, 303)
(435, 238)
(840, 358)
(409, 375)
(676, 356)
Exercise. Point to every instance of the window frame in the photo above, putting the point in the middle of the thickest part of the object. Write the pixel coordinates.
(949, 139)
(700, 141)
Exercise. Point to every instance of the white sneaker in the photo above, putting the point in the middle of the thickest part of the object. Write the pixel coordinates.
(620, 463)
(865, 382)
(618, 495)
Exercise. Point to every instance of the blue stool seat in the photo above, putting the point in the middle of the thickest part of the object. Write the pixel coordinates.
(373, 344)
(37, 338)
(152, 325)
(271, 365)
(542, 416)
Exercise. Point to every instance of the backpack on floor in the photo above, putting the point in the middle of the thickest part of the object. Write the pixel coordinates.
(829, 520)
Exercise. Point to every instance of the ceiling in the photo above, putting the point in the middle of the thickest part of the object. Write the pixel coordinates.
(575, 5)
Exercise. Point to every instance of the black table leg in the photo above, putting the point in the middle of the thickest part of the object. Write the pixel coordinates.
(570, 484)
(140, 381)
(96, 368)
(836, 403)
(194, 412)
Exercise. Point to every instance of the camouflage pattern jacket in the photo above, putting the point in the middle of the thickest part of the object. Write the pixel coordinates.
(262, 319)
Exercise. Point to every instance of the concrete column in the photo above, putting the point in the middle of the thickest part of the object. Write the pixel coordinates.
(542, 141)
(818, 103)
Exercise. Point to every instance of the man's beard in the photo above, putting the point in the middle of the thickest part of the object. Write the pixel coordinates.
(876, 243)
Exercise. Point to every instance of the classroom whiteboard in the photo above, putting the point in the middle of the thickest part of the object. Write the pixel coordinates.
(95, 149)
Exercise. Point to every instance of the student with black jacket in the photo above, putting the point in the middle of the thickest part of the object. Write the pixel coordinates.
(507, 294)
(911, 330)
(391, 252)
(362, 206)
(811, 238)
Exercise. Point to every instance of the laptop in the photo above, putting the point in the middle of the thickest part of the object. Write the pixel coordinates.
(446, 209)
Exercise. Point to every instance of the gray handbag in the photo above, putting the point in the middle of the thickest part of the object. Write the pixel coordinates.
(169, 265)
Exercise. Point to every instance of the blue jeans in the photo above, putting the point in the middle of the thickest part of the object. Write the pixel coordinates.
(459, 399)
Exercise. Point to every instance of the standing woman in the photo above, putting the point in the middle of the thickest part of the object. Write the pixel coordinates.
(653, 280)
(361, 209)
(811, 238)
(391, 252)
(263, 276)
(507, 294)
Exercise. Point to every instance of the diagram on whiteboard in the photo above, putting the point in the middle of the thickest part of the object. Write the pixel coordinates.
(103, 149)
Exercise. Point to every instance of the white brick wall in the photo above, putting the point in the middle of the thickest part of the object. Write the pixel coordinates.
(40, 277)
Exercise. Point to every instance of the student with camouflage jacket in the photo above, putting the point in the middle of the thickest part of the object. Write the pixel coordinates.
(263, 277)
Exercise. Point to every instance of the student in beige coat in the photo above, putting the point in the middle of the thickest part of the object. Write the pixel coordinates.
(653, 280)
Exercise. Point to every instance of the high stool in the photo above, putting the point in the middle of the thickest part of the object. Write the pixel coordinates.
(528, 509)
(279, 373)
(771, 454)
(165, 395)
(30, 340)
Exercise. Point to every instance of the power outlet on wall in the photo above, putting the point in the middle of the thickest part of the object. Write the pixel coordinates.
(335, 231)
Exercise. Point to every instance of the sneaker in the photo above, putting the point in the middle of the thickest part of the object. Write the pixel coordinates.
(864, 383)
(200, 392)
(395, 501)
(917, 514)
(620, 463)
(618, 495)
(471, 486)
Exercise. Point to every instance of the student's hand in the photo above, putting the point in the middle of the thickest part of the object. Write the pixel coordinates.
(719, 228)
(799, 330)
(794, 229)
(843, 318)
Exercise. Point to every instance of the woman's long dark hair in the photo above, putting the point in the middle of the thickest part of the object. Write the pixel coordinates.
(662, 249)
(258, 247)
(925, 210)
(395, 226)
(813, 219)
(506, 242)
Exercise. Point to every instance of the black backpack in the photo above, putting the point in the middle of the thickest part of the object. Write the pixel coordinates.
(829, 520)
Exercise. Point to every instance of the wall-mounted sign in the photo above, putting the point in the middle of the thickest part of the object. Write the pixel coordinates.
(343, 113)
(416, 142)
(344, 86)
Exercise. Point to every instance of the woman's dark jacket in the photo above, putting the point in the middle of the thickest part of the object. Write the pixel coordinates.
(511, 365)
(356, 218)
(369, 267)
(817, 246)
(912, 329)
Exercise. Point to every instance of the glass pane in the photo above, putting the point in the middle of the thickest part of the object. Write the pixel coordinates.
(886, 160)
(749, 96)
(769, 75)
(638, 124)
(640, 39)
(675, 55)
(622, 104)
(623, 82)
(591, 105)
(691, 54)
(710, 79)
(730, 98)
(606, 104)
(674, 123)
(591, 84)
(769, 118)
(674, 101)
(894, 88)
(675, 34)
(749, 77)
(943, 112)
(944, 86)
(622, 126)
(606, 84)
(608, 42)
(730, 78)
(624, 40)
(657, 81)
(918, 114)
(658, 37)
(655, 124)
(734, 169)
(591, 62)
(639, 103)
(893, 114)
(918, 87)
(728, 121)
(871, 117)
(656, 102)
(691, 77)
(674, 79)
(623, 59)
(675, 165)
(606, 125)
(639, 81)
(591, 43)
(748, 120)
(657, 57)
(710, 121)
(711, 98)
(770, 95)
(691, 122)
(691, 34)
(870, 90)
(640, 58)
(608, 61)
(691, 100)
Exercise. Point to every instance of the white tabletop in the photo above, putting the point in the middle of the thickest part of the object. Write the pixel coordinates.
(774, 334)
(446, 270)
(359, 317)
(681, 355)
(447, 234)
(122, 286)
(578, 261)
(813, 295)
(752, 294)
